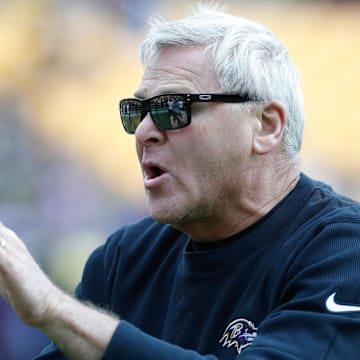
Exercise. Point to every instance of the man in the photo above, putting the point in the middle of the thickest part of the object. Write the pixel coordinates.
(243, 256)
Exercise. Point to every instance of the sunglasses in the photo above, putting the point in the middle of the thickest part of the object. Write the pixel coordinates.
(168, 111)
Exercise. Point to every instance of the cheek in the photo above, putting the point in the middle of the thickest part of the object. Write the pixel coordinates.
(221, 140)
(225, 152)
(139, 150)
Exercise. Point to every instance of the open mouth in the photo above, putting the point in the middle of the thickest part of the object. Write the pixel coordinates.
(153, 172)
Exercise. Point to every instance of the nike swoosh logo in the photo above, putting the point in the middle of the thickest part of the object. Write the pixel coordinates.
(334, 307)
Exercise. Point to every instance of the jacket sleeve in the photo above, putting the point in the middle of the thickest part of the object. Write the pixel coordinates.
(131, 343)
(309, 321)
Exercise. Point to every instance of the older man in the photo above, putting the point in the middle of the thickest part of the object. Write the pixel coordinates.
(243, 256)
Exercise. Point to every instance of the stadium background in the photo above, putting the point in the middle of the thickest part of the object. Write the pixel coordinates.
(69, 175)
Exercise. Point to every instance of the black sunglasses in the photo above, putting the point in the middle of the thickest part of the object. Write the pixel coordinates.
(168, 111)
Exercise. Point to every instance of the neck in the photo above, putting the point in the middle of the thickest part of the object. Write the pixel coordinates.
(235, 215)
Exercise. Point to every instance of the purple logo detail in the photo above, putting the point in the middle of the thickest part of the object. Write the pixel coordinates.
(239, 333)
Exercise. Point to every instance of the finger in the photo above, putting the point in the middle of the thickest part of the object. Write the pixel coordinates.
(2, 242)
(10, 238)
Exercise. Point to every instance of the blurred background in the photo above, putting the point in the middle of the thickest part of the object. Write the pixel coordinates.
(68, 172)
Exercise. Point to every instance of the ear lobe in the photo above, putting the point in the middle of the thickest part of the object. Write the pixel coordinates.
(272, 121)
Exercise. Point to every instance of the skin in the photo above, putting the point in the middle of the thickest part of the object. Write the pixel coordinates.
(224, 171)
(81, 331)
(219, 175)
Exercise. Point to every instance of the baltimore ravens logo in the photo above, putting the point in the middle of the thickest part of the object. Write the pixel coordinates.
(239, 333)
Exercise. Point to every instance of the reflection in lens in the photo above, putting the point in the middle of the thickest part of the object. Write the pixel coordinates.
(169, 111)
(131, 114)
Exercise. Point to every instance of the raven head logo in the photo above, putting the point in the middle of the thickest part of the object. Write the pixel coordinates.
(239, 333)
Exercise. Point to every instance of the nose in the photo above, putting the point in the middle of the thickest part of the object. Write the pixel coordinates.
(148, 134)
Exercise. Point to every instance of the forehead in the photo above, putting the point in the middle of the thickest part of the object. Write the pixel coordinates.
(176, 69)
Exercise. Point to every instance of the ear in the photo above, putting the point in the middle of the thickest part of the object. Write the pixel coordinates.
(270, 129)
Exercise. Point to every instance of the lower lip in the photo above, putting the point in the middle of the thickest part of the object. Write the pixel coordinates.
(151, 183)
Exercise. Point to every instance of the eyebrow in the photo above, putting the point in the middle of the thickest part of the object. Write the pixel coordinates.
(164, 91)
(138, 93)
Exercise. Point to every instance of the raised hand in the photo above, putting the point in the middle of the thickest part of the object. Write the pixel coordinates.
(22, 283)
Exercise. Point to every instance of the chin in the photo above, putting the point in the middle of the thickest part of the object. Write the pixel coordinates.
(170, 211)
(163, 218)
(166, 216)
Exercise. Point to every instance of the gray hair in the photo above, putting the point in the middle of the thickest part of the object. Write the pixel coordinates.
(248, 59)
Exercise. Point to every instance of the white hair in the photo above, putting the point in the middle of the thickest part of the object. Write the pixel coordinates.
(248, 59)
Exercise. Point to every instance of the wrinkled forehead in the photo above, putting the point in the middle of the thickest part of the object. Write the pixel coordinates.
(176, 69)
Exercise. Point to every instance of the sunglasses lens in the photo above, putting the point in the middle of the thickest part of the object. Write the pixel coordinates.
(170, 112)
(130, 112)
